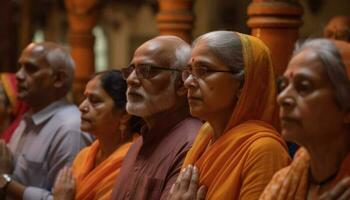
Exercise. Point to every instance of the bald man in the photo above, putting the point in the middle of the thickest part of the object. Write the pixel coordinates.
(49, 136)
(156, 93)
(338, 28)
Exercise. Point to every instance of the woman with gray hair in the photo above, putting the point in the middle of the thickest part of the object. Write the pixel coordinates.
(315, 113)
(231, 84)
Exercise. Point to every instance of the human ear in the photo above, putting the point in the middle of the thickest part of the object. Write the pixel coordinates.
(60, 78)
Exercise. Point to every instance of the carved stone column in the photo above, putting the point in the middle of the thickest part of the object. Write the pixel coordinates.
(176, 17)
(277, 23)
(82, 17)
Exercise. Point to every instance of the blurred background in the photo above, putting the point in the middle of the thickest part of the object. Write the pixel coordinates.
(122, 25)
(103, 34)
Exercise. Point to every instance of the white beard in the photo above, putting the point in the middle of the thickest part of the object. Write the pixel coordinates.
(150, 105)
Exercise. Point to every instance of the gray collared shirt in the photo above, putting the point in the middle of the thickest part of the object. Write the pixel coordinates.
(43, 144)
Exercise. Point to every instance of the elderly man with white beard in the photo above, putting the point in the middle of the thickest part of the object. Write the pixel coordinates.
(157, 94)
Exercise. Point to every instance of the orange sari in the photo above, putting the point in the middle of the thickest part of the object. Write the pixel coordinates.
(92, 182)
(292, 182)
(240, 163)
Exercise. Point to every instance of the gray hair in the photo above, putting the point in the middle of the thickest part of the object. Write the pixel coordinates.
(334, 67)
(227, 46)
(180, 53)
(182, 56)
(59, 59)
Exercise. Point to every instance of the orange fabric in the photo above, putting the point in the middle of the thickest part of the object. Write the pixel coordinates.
(258, 97)
(240, 163)
(9, 83)
(97, 182)
(292, 182)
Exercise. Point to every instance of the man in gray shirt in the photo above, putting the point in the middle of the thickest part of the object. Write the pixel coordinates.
(49, 136)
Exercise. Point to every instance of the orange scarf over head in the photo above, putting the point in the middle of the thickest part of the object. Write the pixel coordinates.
(92, 182)
(292, 182)
(240, 163)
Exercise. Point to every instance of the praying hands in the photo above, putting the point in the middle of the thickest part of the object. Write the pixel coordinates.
(64, 188)
(186, 186)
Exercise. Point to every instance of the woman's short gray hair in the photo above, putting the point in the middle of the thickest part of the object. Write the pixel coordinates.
(335, 68)
(227, 46)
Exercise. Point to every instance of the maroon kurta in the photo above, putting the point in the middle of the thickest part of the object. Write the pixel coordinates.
(154, 161)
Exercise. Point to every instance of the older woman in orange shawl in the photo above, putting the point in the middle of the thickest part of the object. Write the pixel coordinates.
(96, 167)
(231, 85)
(315, 113)
(11, 108)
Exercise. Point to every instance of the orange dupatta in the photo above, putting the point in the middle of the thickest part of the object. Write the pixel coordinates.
(241, 162)
(292, 182)
(97, 183)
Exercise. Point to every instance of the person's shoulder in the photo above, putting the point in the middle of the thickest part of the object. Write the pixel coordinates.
(68, 109)
(68, 114)
(267, 144)
(189, 126)
(182, 136)
(67, 123)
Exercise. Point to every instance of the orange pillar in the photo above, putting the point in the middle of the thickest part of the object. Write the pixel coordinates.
(277, 23)
(82, 17)
(175, 17)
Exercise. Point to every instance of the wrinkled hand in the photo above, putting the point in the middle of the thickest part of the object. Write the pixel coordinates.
(340, 192)
(186, 186)
(64, 188)
(6, 160)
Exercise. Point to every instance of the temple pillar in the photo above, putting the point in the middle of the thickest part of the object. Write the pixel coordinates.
(176, 17)
(277, 23)
(82, 18)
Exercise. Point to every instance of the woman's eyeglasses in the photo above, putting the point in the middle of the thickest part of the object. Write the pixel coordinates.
(144, 71)
(200, 72)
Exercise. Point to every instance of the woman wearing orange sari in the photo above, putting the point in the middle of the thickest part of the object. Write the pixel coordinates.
(315, 113)
(231, 85)
(103, 115)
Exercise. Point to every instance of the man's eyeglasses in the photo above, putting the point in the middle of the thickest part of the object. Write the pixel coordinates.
(200, 72)
(144, 71)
